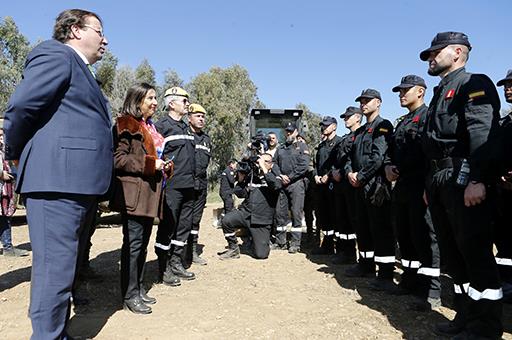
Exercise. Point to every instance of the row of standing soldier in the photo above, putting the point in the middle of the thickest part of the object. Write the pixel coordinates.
(451, 191)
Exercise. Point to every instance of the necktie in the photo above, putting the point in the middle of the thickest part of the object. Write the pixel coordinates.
(89, 66)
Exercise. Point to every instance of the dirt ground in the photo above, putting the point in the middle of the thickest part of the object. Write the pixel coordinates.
(285, 297)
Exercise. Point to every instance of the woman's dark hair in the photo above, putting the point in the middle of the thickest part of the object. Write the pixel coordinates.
(68, 18)
(134, 97)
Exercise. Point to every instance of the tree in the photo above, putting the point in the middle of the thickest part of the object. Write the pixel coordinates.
(312, 121)
(106, 73)
(144, 73)
(172, 78)
(14, 48)
(227, 95)
(124, 78)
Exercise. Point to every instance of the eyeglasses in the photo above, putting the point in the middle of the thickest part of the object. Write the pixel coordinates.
(100, 32)
(184, 101)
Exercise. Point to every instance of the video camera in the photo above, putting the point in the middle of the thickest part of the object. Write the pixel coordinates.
(248, 165)
(258, 142)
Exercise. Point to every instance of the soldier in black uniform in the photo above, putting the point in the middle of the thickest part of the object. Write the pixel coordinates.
(260, 190)
(196, 121)
(462, 118)
(174, 229)
(406, 166)
(502, 230)
(365, 172)
(309, 200)
(345, 193)
(292, 158)
(227, 183)
(326, 156)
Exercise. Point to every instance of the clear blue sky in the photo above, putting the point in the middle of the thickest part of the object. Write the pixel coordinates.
(321, 53)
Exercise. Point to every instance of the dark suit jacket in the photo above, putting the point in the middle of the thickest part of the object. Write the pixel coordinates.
(58, 125)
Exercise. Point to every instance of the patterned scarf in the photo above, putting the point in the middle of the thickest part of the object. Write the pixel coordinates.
(158, 140)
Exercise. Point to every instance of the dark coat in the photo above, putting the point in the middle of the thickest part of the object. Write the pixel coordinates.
(58, 126)
(137, 185)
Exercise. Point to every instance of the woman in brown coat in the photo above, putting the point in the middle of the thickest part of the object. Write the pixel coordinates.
(137, 189)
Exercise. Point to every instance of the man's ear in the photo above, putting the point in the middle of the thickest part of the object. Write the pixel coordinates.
(75, 33)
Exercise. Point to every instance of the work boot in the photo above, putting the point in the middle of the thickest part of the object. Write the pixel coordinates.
(169, 278)
(195, 256)
(233, 252)
(178, 269)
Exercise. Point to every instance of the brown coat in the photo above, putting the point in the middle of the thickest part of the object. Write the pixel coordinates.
(137, 185)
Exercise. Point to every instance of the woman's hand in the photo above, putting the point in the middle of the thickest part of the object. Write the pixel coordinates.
(159, 164)
(6, 177)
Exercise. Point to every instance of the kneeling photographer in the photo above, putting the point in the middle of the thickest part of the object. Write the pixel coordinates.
(258, 183)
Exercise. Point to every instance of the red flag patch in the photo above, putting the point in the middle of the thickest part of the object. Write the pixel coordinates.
(449, 94)
(370, 130)
(416, 119)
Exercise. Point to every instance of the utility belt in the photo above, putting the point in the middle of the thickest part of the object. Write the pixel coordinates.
(445, 163)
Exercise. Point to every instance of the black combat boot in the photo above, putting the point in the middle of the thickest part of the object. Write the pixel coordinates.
(233, 252)
(195, 256)
(178, 269)
(458, 324)
(169, 278)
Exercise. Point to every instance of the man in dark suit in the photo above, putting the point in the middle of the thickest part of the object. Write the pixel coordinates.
(58, 128)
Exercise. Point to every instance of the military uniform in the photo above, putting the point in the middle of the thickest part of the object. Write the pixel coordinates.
(375, 240)
(227, 183)
(256, 213)
(413, 225)
(462, 117)
(174, 229)
(202, 159)
(325, 209)
(293, 160)
(411, 217)
(344, 197)
(503, 216)
(309, 202)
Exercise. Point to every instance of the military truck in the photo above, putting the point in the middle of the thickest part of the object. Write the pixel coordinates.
(274, 120)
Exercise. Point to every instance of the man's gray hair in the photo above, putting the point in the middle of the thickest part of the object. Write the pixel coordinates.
(169, 99)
